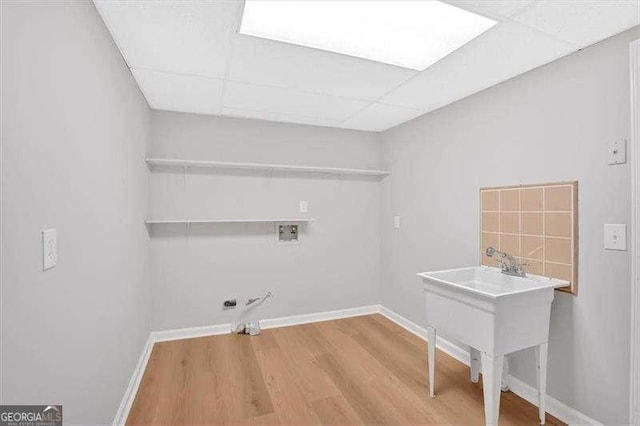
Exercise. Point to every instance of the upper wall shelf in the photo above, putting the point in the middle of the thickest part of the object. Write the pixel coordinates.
(189, 221)
(267, 167)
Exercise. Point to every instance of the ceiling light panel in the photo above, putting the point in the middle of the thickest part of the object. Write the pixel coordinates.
(186, 37)
(182, 93)
(407, 33)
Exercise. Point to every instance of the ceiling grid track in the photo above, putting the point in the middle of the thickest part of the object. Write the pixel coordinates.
(196, 57)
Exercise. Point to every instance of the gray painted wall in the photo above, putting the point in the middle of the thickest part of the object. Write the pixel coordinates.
(74, 127)
(335, 266)
(551, 124)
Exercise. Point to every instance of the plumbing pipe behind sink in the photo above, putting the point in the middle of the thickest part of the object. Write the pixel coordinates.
(261, 299)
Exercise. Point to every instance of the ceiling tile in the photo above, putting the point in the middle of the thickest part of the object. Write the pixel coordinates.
(289, 102)
(186, 37)
(378, 117)
(269, 116)
(174, 92)
(501, 53)
(582, 22)
(260, 61)
(180, 52)
(495, 9)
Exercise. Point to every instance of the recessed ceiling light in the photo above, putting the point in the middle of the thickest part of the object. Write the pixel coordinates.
(407, 33)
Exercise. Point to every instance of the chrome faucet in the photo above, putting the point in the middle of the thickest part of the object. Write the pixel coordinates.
(509, 264)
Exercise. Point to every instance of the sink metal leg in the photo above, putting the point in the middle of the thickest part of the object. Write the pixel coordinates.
(491, 381)
(474, 356)
(431, 358)
(541, 378)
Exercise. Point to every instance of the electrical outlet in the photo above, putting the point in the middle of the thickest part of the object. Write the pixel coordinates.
(396, 221)
(303, 206)
(49, 249)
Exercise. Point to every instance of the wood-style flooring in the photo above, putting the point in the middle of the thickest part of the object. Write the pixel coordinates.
(362, 370)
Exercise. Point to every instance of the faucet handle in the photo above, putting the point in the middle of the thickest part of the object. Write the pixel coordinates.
(500, 261)
(520, 268)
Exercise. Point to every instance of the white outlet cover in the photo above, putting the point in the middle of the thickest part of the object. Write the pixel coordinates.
(615, 237)
(396, 221)
(49, 249)
(303, 206)
(617, 152)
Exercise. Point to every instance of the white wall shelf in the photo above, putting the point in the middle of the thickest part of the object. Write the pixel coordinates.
(189, 221)
(266, 167)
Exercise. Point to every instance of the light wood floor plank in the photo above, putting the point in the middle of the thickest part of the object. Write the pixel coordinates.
(312, 382)
(335, 410)
(363, 370)
(289, 403)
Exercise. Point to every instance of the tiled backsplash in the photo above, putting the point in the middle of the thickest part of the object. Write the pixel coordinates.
(537, 224)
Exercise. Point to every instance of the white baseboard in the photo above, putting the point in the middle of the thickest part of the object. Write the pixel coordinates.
(556, 408)
(213, 330)
(457, 352)
(189, 333)
(319, 316)
(134, 383)
(520, 388)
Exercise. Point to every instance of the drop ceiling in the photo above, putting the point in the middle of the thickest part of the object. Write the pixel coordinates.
(188, 56)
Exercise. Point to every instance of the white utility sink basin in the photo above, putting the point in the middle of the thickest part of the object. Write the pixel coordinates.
(495, 314)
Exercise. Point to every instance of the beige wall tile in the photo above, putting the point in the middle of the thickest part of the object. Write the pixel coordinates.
(532, 247)
(558, 198)
(489, 200)
(510, 200)
(510, 223)
(558, 250)
(490, 222)
(531, 223)
(562, 272)
(490, 240)
(531, 199)
(558, 224)
(510, 244)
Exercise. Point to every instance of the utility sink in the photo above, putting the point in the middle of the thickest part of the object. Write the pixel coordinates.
(495, 314)
(490, 282)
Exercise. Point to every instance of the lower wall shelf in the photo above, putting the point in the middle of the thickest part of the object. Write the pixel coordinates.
(188, 221)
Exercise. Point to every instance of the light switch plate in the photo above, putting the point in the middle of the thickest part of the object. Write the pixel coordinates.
(615, 237)
(617, 152)
(49, 249)
(303, 206)
(396, 221)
